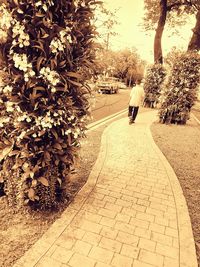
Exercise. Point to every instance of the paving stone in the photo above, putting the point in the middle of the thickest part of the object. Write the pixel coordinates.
(110, 244)
(171, 232)
(124, 203)
(143, 202)
(127, 238)
(81, 247)
(107, 221)
(147, 244)
(92, 217)
(163, 239)
(121, 261)
(151, 258)
(161, 220)
(107, 213)
(144, 216)
(125, 227)
(139, 207)
(61, 254)
(175, 243)
(65, 241)
(138, 263)
(110, 199)
(157, 228)
(113, 207)
(129, 211)
(122, 218)
(169, 262)
(168, 251)
(142, 232)
(78, 260)
(139, 223)
(130, 199)
(109, 232)
(45, 261)
(92, 238)
(100, 264)
(130, 251)
(90, 226)
(127, 192)
(155, 212)
(101, 254)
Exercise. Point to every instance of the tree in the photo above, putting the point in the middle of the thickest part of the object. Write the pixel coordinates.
(180, 92)
(158, 57)
(47, 53)
(154, 78)
(194, 43)
(105, 21)
(124, 64)
(173, 12)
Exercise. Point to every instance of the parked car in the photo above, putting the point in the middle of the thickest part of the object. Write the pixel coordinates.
(108, 85)
(122, 85)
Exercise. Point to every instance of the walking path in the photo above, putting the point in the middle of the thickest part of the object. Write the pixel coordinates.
(131, 213)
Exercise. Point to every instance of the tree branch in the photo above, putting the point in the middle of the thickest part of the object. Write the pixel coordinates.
(187, 3)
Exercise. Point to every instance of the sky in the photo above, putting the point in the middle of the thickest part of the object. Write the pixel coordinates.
(130, 34)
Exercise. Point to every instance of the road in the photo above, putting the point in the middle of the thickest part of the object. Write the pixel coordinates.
(107, 104)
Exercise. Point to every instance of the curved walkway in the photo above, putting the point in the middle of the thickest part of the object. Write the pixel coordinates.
(131, 212)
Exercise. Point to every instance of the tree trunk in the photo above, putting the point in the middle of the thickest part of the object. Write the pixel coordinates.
(130, 81)
(195, 40)
(158, 56)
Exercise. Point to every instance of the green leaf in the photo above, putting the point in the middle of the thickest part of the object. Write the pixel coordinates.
(43, 181)
(74, 75)
(57, 146)
(5, 152)
(31, 194)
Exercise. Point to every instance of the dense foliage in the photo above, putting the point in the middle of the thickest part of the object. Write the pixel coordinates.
(181, 89)
(124, 64)
(46, 48)
(154, 78)
(177, 12)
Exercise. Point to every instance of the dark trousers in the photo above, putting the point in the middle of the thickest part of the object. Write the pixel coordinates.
(132, 112)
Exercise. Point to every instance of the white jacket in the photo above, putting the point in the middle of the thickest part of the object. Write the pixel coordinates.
(137, 95)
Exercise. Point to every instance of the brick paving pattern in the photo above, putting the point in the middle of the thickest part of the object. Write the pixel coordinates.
(130, 217)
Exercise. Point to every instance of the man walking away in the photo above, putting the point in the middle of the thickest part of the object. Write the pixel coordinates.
(136, 98)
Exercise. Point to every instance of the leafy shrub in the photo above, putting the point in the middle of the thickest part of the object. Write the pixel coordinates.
(154, 78)
(181, 89)
(47, 54)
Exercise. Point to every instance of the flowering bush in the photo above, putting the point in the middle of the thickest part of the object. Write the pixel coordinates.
(154, 78)
(181, 89)
(46, 48)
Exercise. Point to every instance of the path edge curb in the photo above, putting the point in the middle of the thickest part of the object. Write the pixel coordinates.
(188, 257)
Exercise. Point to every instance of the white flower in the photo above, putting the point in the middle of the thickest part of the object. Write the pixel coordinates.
(28, 119)
(75, 135)
(50, 75)
(21, 136)
(18, 32)
(5, 22)
(56, 45)
(53, 89)
(7, 89)
(44, 7)
(10, 106)
(69, 39)
(39, 3)
(68, 131)
(9, 109)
